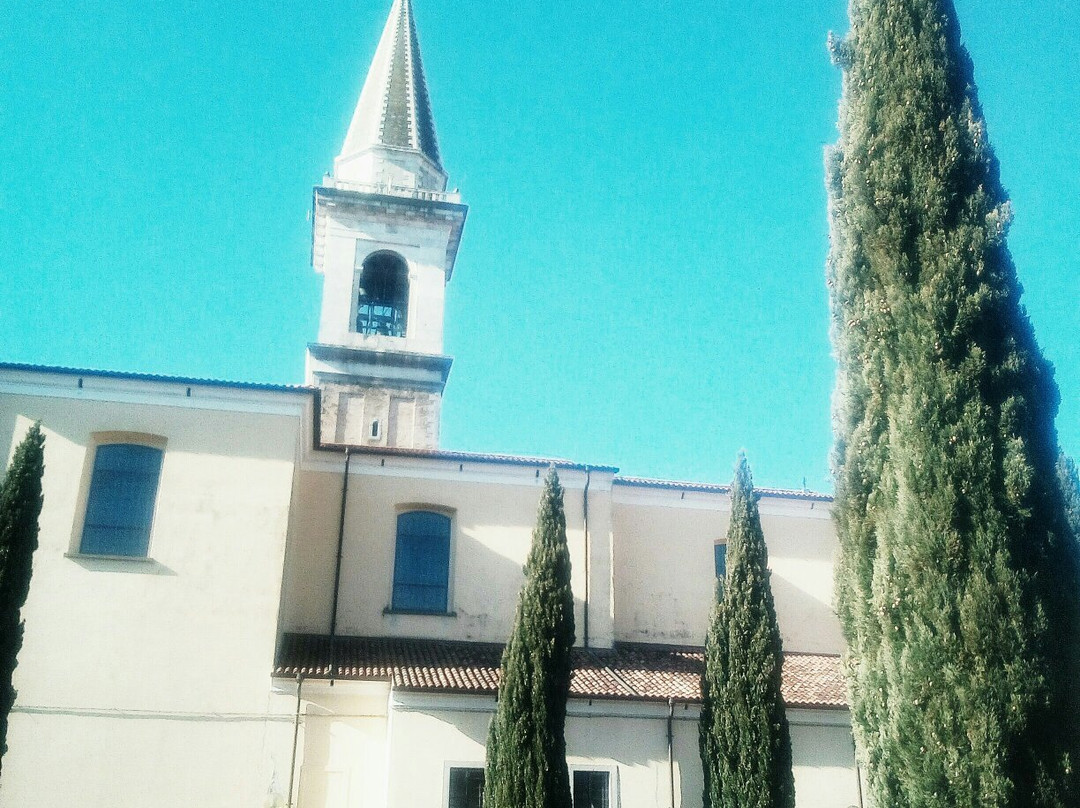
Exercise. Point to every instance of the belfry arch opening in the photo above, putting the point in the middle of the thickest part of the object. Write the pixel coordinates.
(382, 295)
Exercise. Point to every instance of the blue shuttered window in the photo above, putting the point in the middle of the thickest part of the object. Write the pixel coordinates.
(120, 505)
(720, 559)
(421, 562)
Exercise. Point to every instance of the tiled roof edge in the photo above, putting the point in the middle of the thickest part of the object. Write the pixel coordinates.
(320, 671)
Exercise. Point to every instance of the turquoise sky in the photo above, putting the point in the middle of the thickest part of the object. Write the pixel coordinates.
(641, 281)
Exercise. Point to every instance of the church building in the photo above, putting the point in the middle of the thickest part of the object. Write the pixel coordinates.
(265, 596)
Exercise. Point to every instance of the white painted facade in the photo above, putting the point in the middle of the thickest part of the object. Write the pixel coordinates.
(349, 729)
(138, 672)
(148, 681)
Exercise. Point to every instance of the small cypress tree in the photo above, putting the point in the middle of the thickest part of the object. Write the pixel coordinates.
(20, 505)
(956, 583)
(526, 751)
(744, 737)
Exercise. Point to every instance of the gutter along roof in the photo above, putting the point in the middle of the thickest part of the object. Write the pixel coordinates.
(629, 672)
(465, 457)
(154, 377)
(718, 488)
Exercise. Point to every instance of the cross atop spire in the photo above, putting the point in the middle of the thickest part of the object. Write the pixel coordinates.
(391, 141)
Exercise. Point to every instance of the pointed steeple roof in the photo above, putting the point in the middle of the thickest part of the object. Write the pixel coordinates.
(394, 110)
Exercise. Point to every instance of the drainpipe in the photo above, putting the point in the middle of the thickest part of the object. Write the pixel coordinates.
(295, 738)
(671, 747)
(337, 568)
(585, 509)
(858, 770)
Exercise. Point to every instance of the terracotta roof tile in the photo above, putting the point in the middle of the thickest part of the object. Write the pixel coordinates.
(635, 671)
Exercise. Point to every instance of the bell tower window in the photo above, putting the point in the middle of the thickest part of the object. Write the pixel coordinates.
(382, 295)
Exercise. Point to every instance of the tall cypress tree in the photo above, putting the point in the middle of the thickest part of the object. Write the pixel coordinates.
(744, 737)
(20, 505)
(956, 584)
(526, 751)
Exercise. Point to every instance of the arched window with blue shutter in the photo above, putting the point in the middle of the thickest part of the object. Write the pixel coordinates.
(120, 504)
(421, 563)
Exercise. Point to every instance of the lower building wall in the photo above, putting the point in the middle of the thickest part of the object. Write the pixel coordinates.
(359, 746)
(430, 734)
(341, 750)
(95, 760)
(823, 753)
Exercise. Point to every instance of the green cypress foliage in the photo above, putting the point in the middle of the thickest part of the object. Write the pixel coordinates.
(526, 751)
(745, 743)
(956, 584)
(1070, 487)
(20, 505)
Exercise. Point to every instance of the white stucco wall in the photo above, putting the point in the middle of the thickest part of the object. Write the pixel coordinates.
(493, 513)
(430, 733)
(341, 757)
(136, 673)
(651, 570)
(664, 567)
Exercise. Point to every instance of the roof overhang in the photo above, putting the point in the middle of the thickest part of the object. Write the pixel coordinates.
(628, 672)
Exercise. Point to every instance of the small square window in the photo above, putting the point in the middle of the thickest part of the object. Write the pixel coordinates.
(592, 789)
(466, 788)
(120, 503)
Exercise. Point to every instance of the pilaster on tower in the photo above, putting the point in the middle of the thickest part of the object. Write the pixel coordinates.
(385, 237)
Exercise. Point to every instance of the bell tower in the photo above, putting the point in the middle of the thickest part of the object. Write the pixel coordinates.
(385, 238)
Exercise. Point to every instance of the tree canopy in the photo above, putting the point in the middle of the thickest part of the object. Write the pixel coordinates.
(20, 506)
(744, 736)
(526, 751)
(957, 580)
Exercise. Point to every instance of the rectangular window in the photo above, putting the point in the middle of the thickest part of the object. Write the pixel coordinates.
(466, 788)
(591, 789)
(120, 503)
(720, 559)
(421, 563)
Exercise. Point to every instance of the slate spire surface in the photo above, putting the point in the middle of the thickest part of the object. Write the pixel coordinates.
(394, 110)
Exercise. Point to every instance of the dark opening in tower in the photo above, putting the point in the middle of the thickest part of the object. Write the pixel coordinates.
(382, 297)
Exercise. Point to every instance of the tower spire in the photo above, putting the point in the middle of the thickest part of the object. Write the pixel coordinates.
(385, 237)
(391, 141)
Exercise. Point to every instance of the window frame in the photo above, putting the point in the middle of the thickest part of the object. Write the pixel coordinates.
(457, 764)
(612, 771)
(96, 441)
(450, 515)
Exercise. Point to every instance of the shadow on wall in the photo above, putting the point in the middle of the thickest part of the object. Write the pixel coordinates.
(196, 431)
(8, 439)
(628, 741)
(806, 623)
(487, 588)
(484, 588)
